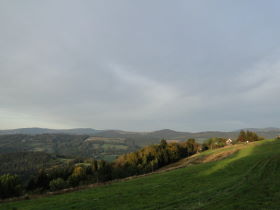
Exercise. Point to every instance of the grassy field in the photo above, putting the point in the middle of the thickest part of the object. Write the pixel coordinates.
(247, 179)
(109, 158)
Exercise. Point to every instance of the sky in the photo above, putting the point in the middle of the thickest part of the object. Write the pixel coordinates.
(189, 65)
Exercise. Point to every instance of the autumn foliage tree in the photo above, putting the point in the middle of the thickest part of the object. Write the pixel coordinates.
(153, 157)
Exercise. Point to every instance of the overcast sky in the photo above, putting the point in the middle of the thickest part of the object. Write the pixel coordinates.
(143, 65)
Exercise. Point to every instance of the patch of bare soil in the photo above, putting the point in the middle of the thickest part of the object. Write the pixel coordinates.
(197, 159)
(218, 156)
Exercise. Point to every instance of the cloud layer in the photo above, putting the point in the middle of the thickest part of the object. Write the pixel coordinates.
(185, 65)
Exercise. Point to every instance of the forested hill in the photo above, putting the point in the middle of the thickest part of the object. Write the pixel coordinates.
(66, 145)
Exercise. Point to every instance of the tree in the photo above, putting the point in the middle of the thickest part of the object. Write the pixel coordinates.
(9, 186)
(42, 180)
(242, 136)
(163, 143)
(248, 136)
(104, 172)
(191, 146)
(210, 143)
(79, 172)
(95, 165)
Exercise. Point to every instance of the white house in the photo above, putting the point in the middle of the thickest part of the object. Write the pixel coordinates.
(229, 141)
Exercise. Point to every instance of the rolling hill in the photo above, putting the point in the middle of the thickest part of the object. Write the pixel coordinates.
(36, 131)
(244, 176)
(144, 138)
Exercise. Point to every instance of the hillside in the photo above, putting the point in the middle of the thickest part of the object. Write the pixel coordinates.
(26, 164)
(235, 177)
(66, 145)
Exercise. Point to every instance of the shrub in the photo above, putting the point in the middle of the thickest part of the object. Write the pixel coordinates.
(214, 143)
(57, 184)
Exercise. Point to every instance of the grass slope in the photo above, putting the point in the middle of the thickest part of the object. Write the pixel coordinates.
(247, 179)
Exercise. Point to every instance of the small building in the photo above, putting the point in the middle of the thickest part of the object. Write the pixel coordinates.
(229, 142)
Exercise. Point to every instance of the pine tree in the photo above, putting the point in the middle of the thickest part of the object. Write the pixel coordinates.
(242, 136)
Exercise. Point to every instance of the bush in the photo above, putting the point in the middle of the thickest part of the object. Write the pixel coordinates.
(57, 184)
(214, 143)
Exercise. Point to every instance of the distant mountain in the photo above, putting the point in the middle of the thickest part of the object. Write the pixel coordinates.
(167, 133)
(269, 129)
(35, 131)
(145, 138)
(116, 133)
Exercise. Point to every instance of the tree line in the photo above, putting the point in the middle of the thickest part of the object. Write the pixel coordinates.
(249, 136)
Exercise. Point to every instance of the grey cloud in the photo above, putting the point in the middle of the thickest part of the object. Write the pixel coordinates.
(186, 65)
